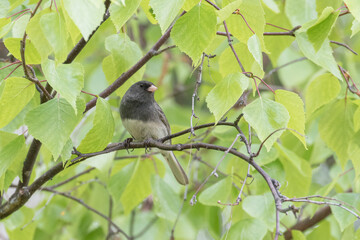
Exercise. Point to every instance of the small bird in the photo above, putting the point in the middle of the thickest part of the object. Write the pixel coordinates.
(143, 118)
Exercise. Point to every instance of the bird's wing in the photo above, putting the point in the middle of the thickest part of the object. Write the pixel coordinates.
(162, 117)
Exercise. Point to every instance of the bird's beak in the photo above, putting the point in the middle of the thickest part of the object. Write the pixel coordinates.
(152, 88)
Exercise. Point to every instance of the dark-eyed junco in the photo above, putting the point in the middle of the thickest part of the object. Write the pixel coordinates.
(144, 119)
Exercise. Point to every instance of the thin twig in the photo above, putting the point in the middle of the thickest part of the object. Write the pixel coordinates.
(288, 33)
(146, 228)
(71, 178)
(344, 13)
(110, 231)
(273, 25)
(237, 11)
(193, 199)
(163, 50)
(277, 228)
(282, 66)
(12, 71)
(277, 130)
(195, 94)
(326, 198)
(352, 88)
(16, 62)
(91, 94)
(25, 10)
(239, 199)
(323, 203)
(132, 223)
(136, 156)
(179, 213)
(345, 46)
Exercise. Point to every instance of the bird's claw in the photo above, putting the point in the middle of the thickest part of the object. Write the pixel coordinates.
(127, 144)
(147, 145)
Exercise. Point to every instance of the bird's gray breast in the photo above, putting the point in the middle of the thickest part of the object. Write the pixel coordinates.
(141, 130)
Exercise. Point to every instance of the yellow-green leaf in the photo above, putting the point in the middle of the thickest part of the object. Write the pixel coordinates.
(295, 107)
(16, 94)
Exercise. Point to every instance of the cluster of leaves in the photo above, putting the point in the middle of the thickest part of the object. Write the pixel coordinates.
(312, 100)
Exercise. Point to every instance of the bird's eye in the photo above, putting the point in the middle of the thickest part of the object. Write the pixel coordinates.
(141, 85)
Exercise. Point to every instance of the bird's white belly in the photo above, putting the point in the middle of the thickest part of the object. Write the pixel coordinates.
(141, 130)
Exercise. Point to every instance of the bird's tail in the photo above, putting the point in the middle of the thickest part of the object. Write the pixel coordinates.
(175, 167)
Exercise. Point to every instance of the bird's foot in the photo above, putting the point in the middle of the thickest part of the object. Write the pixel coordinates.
(127, 144)
(147, 143)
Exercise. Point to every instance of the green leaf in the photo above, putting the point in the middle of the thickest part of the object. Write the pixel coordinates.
(19, 26)
(298, 235)
(19, 219)
(27, 232)
(323, 57)
(357, 117)
(271, 4)
(321, 29)
(266, 116)
(354, 153)
(124, 54)
(86, 14)
(323, 231)
(226, 11)
(102, 131)
(298, 173)
(220, 191)
(321, 5)
(166, 11)
(37, 37)
(343, 217)
(16, 94)
(254, 14)
(57, 115)
(194, 31)
(295, 106)
(300, 11)
(54, 28)
(14, 4)
(255, 49)
(355, 28)
(189, 4)
(123, 176)
(321, 91)
(248, 229)
(148, 11)
(261, 207)
(166, 201)
(4, 8)
(66, 79)
(228, 63)
(9, 152)
(119, 14)
(354, 7)
(72, 29)
(139, 185)
(5, 26)
(226, 93)
(336, 127)
(31, 54)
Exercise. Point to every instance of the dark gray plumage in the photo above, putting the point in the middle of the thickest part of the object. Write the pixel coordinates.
(144, 119)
